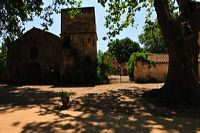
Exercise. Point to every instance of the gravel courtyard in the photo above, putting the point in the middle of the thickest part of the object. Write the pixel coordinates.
(112, 108)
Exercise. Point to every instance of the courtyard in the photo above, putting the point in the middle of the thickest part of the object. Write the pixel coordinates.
(112, 108)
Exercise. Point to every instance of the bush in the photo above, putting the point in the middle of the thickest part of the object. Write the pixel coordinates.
(102, 78)
(139, 56)
(104, 67)
(131, 67)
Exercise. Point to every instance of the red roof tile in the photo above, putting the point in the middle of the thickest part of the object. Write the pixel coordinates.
(159, 58)
(162, 58)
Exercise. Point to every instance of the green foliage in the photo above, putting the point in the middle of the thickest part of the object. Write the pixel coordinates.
(104, 66)
(121, 13)
(65, 93)
(122, 49)
(102, 78)
(138, 56)
(131, 67)
(116, 67)
(143, 57)
(73, 12)
(152, 39)
(3, 57)
(14, 14)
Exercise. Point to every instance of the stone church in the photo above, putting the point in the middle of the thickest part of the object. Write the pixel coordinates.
(41, 57)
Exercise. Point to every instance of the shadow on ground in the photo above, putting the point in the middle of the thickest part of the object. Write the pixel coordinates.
(19, 98)
(121, 111)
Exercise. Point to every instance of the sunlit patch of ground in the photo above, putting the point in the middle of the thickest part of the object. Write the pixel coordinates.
(113, 108)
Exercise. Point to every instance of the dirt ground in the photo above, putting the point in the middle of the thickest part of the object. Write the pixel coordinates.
(112, 108)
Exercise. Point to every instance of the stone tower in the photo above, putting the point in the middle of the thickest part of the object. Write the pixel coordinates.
(79, 46)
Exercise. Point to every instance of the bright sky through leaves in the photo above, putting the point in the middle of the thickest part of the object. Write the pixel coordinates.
(101, 30)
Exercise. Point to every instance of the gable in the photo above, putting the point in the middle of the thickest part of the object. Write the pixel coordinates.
(36, 34)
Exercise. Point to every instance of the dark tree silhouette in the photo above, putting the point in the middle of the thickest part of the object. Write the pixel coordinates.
(122, 49)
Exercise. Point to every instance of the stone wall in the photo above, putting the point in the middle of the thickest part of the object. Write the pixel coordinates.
(83, 22)
(145, 73)
(42, 57)
(79, 41)
(34, 57)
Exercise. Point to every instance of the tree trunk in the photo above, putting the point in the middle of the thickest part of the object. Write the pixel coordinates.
(182, 79)
(181, 38)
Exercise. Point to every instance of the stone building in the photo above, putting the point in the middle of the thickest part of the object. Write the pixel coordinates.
(42, 57)
(144, 72)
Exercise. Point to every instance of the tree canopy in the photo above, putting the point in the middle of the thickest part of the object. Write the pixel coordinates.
(14, 14)
(122, 49)
(122, 13)
(151, 38)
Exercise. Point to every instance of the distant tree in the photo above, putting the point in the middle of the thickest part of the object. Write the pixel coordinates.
(122, 49)
(152, 39)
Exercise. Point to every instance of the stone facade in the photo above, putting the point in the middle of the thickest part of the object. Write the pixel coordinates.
(79, 39)
(42, 57)
(144, 72)
(158, 73)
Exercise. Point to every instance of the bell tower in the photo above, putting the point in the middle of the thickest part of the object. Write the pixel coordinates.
(79, 44)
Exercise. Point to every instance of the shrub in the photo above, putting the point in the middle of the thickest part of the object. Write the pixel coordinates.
(139, 56)
(65, 93)
(104, 67)
(131, 67)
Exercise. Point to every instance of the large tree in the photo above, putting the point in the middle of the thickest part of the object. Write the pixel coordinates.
(122, 49)
(179, 21)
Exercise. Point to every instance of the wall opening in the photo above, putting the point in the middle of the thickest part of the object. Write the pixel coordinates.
(34, 73)
(33, 53)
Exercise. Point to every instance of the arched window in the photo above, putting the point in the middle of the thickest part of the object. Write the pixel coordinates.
(33, 53)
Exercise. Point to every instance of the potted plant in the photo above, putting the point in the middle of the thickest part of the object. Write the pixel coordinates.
(65, 97)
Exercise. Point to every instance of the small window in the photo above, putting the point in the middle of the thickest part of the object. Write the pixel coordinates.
(33, 53)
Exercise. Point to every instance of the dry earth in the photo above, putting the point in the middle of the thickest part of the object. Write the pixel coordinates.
(113, 108)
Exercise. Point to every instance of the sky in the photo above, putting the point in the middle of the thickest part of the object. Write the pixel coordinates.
(100, 13)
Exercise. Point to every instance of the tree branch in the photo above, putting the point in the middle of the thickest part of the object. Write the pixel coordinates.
(183, 7)
(162, 9)
(164, 16)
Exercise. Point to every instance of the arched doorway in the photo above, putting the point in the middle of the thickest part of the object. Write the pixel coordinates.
(34, 73)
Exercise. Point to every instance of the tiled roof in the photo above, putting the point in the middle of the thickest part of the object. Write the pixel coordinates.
(159, 58)
(162, 58)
